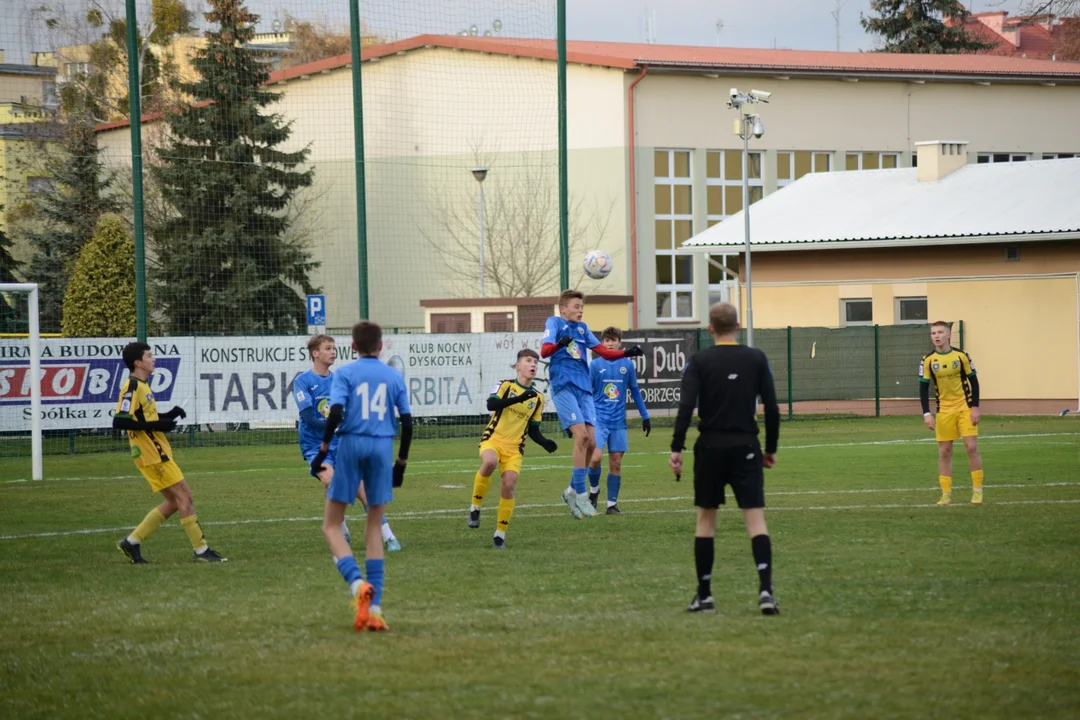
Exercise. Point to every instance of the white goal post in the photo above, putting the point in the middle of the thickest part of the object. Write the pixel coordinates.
(31, 289)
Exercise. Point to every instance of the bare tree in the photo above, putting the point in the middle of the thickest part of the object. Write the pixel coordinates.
(1065, 40)
(521, 233)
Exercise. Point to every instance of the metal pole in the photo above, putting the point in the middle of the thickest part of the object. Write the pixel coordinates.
(746, 226)
(135, 110)
(35, 386)
(790, 390)
(877, 371)
(564, 194)
(480, 212)
(358, 143)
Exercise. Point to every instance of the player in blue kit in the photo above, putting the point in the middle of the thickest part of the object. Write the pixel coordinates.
(566, 339)
(363, 398)
(311, 392)
(611, 381)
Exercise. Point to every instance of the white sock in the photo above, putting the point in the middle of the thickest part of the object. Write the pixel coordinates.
(500, 534)
(354, 586)
(377, 609)
(344, 528)
(387, 533)
(594, 490)
(133, 540)
(611, 503)
(473, 507)
(570, 491)
(203, 549)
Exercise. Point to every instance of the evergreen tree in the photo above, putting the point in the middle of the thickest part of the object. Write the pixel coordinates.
(919, 26)
(100, 299)
(9, 315)
(225, 262)
(65, 219)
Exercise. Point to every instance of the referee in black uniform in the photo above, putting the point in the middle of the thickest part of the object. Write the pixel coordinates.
(724, 382)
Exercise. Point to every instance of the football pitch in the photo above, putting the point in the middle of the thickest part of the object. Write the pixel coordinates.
(891, 606)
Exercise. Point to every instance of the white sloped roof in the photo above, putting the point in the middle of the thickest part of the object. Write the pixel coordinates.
(889, 206)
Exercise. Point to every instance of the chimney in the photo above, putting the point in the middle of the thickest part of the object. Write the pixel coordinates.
(938, 158)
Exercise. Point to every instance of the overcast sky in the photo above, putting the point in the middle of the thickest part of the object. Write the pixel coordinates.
(798, 24)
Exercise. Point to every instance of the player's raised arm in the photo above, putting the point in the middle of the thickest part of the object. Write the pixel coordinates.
(552, 342)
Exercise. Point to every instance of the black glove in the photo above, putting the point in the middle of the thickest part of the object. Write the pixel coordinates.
(527, 395)
(317, 463)
(551, 446)
(563, 342)
(646, 426)
(399, 473)
(633, 351)
(176, 412)
(167, 425)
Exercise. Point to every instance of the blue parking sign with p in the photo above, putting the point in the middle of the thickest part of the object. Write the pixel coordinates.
(316, 310)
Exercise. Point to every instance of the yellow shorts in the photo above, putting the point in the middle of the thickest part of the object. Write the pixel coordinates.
(954, 425)
(509, 457)
(162, 475)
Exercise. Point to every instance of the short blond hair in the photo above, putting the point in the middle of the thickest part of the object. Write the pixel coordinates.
(723, 318)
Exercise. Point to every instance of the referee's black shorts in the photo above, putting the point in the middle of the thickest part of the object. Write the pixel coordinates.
(739, 466)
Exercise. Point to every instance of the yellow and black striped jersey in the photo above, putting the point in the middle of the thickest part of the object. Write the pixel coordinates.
(949, 373)
(136, 401)
(510, 426)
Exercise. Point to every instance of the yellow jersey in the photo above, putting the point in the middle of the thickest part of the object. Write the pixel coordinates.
(510, 426)
(136, 401)
(949, 372)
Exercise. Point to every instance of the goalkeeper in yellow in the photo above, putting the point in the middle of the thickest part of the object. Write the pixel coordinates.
(516, 410)
(136, 412)
(952, 375)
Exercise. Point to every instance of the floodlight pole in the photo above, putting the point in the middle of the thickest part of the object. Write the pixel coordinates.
(749, 314)
(480, 173)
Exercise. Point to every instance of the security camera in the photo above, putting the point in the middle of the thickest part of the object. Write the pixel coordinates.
(734, 93)
(480, 173)
(761, 95)
(758, 128)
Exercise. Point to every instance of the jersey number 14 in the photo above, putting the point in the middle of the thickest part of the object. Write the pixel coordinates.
(372, 403)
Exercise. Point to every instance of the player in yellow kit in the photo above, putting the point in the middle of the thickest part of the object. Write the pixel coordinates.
(136, 412)
(516, 410)
(952, 375)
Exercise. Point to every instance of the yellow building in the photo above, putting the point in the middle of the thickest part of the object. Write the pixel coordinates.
(996, 246)
(464, 315)
(28, 101)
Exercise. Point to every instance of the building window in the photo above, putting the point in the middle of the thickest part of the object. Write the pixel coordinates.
(723, 286)
(1059, 156)
(49, 98)
(1002, 157)
(73, 69)
(451, 323)
(1012, 253)
(856, 311)
(42, 185)
(872, 161)
(790, 166)
(674, 218)
(911, 311)
(723, 183)
(498, 322)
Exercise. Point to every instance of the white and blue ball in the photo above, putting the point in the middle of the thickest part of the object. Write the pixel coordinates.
(597, 264)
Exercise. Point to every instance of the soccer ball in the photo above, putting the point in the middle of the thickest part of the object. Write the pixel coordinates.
(597, 264)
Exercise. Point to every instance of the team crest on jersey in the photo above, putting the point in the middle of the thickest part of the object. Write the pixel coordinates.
(622, 370)
(532, 404)
(611, 392)
(955, 364)
(935, 367)
(581, 330)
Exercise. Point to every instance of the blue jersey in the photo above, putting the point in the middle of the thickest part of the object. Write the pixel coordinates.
(311, 390)
(569, 366)
(369, 390)
(611, 381)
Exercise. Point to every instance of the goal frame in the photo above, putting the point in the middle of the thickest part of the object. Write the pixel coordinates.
(34, 332)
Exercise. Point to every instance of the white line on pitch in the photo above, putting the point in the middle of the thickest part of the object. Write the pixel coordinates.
(443, 512)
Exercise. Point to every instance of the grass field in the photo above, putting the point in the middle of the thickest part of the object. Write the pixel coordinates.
(892, 607)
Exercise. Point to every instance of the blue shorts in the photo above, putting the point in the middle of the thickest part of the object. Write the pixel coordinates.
(367, 459)
(310, 455)
(612, 439)
(574, 406)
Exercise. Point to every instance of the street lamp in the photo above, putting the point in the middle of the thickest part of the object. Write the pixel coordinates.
(480, 173)
(748, 123)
